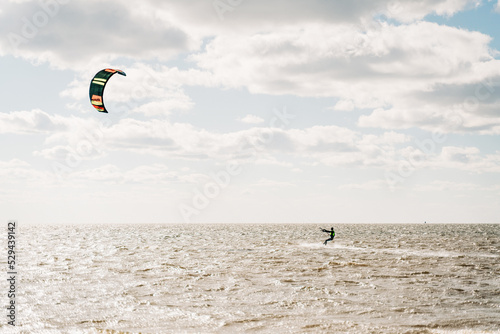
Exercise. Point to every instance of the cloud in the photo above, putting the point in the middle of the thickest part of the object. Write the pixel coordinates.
(85, 150)
(432, 118)
(454, 186)
(344, 105)
(91, 139)
(407, 11)
(74, 137)
(370, 185)
(369, 69)
(31, 122)
(467, 107)
(86, 139)
(14, 163)
(404, 162)
(107, 173)
(73, 33)
(328, 145)
(273, 184)
(468, 159)
(271, 161)
(252, 119)
(266, 15)
(16, 170)
(458, 154)
(311, 49)
(152, 174)
(66, 137)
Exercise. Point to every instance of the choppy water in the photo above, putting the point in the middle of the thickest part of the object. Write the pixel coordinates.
(258, 279)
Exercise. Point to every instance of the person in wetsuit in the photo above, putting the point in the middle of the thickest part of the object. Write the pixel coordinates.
(332, 235)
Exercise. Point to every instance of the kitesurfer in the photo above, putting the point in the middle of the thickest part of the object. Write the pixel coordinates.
(332, 235)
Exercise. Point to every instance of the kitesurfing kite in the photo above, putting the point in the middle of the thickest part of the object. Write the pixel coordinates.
(97, 87)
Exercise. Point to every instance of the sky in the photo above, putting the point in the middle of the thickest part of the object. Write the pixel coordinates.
(239, 111)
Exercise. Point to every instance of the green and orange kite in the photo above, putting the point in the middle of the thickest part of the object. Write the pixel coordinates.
(97, 85)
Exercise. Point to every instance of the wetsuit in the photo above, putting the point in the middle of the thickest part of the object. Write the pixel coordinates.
(332, 235)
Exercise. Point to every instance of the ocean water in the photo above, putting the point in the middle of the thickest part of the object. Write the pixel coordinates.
(230, 278)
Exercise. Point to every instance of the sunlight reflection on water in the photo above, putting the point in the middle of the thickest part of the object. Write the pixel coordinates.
(260, 278)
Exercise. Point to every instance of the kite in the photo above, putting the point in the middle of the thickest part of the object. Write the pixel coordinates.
(97, 87)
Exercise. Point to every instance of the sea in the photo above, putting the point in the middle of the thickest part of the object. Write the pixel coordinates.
(255, 278)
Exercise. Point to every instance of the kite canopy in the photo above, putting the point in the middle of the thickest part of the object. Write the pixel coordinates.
(97, 87)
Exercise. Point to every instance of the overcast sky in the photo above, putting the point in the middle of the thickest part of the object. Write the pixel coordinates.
(251, 111)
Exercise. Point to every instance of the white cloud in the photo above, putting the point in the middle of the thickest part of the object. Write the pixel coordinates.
(85, 150)
(468, 159)
(469, 106)
(271, 161)
(90, 139)
(252, 119)
(67, 136)
(265, 15)
(370, 185)
(273, 184)
(107, 173)
(404, 162)
(70, 137)
(77, 32)
(31, 122)
(460, 155)
(407, 11)
(316, 48)
(336, 146)
(174, 101)
(14, 163)
(16, 170)
(153, 174)
(344, 105)
(369, 69)
(452, 186)
(433, 118)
